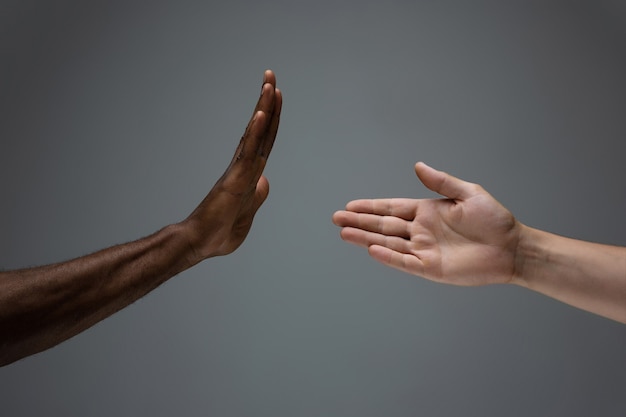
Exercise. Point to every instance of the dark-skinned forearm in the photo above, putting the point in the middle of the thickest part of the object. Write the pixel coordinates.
(44, 306)
(41, 307)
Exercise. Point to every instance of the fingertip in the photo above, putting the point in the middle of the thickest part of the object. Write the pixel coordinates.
(278, 102)
(351, 205)
(426, 174)
(269, 77)
(259, 116)
(267, 88)
(337, 217)
(342, 234)
(254, 120)
(347, 234)
(379, 253)
(421, 168)
(441, 182)
(279, 96)
(420, 164)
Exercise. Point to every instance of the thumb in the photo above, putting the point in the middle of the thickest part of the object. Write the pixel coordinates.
(442, 182)
(262, 190)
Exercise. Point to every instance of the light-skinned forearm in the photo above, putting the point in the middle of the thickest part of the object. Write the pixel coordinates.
(586, 275)
(41, 307)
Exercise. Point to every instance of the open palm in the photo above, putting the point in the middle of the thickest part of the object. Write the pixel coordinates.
(223, 219)
(467, 238)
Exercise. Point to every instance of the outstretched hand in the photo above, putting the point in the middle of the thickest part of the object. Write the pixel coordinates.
(223, 219)
(467, 238)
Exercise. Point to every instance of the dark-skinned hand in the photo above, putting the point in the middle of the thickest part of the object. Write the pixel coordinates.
(223, 219)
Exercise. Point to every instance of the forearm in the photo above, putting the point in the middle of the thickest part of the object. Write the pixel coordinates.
(586, 275)
(41, 307)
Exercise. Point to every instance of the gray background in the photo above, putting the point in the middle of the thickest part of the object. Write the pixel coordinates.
(118, 116)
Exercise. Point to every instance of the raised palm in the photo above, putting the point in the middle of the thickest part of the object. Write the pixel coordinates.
(223, 219)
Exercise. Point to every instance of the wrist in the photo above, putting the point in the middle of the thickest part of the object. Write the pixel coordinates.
(199, 244)
(184, 234)
(529, 254)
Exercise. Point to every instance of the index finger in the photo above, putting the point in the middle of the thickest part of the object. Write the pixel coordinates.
(265, 103)
(254, 137)
(272, 107)
(403, 208)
